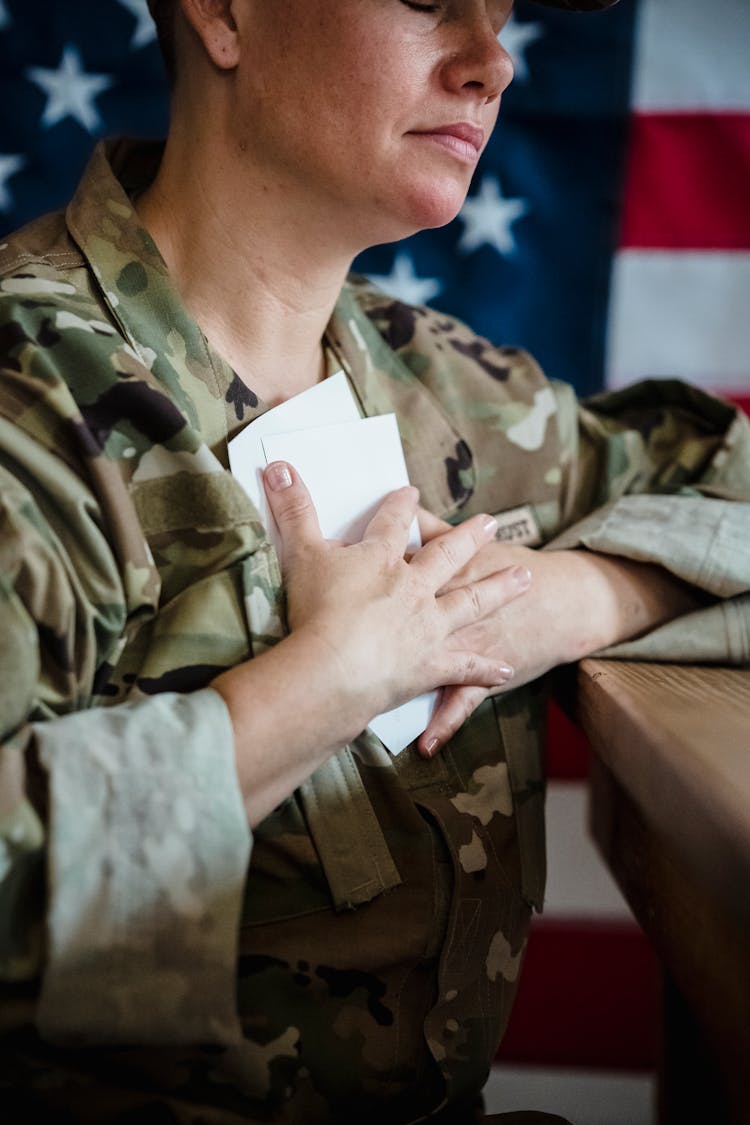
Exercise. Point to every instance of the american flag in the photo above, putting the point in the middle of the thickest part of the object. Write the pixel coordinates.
(607, 230)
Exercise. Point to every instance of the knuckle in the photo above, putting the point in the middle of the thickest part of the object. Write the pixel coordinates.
(398, 506)
(383, 553)
(446, 549)
(294, 509)
(393, 520)
(474, 600)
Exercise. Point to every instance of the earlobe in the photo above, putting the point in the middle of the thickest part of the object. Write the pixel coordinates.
(214, 23)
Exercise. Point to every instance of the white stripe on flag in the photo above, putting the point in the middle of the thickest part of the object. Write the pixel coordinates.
(680, 313)
(578, 883)
(692, 54)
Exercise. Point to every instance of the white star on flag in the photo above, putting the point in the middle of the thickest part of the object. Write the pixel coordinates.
(516, 36)
(5, 19)
(404, 284)
(9, 165)
(70, 90)
(145, 29)
(488, 218)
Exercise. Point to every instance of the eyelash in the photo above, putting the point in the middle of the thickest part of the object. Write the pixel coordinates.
(420, 7)
(425, 8)
(432, 9)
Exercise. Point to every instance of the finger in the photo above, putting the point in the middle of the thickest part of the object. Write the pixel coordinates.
(430, 526)
(443, 556)
(455, 706)
(475, 600)
(393, 519)
(291, 506)
(466, 668)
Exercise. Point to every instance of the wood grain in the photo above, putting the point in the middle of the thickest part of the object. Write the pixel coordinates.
(678, 740)
(670, 811)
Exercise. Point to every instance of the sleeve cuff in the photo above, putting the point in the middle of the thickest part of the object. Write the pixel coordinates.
(148, 853)
(705, 542)
(718, 634)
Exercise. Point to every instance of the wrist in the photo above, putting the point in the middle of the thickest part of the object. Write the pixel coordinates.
(287, 718)
(612, 599)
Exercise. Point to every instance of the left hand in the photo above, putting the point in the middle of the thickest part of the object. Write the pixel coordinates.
(578, 602)
(527, 641)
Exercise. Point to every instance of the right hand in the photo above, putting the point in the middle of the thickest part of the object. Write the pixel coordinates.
(375, 616)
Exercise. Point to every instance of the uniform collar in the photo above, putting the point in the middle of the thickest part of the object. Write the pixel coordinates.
(384, 381)
(141, 297)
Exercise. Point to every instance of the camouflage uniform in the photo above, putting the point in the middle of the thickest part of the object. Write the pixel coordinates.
(368, 963)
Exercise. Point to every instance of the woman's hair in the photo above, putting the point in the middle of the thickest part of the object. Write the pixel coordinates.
(163, 12)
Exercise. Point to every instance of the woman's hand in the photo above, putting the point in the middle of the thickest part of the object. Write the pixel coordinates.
(579, 602)
(376, 615)
(368, 631)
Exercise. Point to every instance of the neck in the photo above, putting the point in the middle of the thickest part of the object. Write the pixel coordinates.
(254, 268)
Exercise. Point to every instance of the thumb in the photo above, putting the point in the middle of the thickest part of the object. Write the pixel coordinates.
(291, 506)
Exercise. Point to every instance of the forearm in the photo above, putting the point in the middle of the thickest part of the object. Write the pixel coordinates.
(579, 602)
(289, 715)
(597, 600)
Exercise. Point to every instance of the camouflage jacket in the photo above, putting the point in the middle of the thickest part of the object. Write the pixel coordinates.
(369, 955)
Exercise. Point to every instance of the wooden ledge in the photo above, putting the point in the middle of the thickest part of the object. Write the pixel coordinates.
(677, 739)
(670, 811)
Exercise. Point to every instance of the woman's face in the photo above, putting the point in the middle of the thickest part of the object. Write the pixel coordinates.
(372, 112)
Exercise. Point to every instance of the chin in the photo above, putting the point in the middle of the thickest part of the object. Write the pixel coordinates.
(435, 204)
(416, 209)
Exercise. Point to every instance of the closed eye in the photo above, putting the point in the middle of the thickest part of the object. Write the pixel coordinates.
(420, 7)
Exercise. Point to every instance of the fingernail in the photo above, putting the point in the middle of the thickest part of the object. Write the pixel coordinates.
(521, 576)
(489, 525)
(506, 672)
(278, 477)
(431, 747)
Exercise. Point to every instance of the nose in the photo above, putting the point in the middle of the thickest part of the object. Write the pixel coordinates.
(476, 60)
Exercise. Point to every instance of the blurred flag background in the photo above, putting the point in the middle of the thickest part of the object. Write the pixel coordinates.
(607, 228)
(608, 231)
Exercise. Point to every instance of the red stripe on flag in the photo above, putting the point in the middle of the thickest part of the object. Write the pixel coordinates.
(567, 747)
(743, 401)
(589, 996)
(686, 186)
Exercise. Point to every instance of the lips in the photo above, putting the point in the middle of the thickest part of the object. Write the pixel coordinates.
(461, 131)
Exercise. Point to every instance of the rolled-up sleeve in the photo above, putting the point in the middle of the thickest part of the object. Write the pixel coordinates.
(666, 469)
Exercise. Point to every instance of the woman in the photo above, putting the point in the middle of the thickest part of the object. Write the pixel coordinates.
(167, 693)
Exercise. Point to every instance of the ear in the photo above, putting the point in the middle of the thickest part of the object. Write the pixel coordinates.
(214, 23)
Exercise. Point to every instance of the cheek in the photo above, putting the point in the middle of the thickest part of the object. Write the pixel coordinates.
(384, 76)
